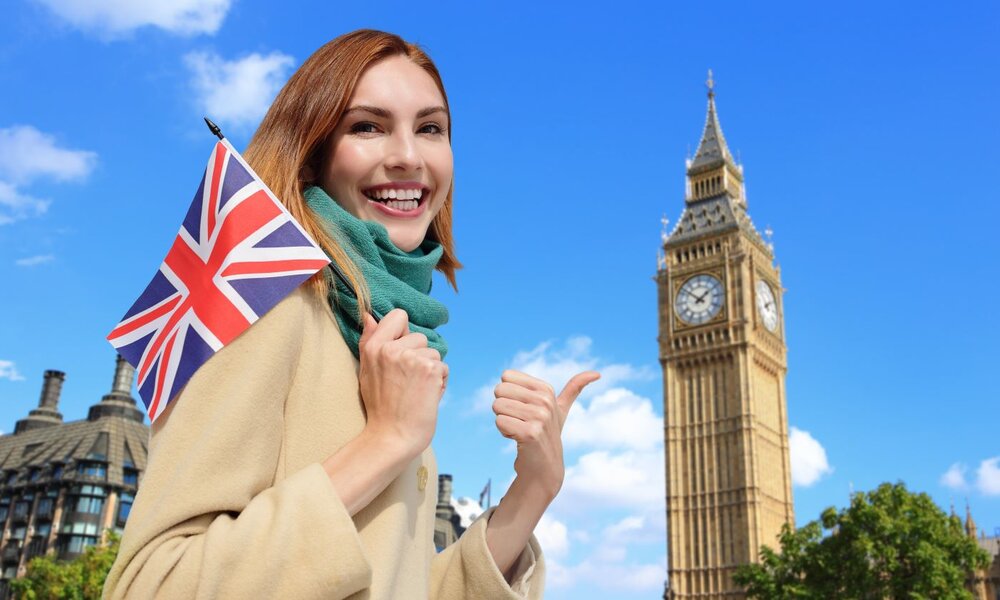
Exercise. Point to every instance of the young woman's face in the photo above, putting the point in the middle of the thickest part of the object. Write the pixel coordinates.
(389, 158)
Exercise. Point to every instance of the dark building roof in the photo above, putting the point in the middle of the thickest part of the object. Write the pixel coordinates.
(113, 433)
(714, 215)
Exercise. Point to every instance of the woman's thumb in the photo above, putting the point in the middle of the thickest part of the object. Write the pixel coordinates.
(368, 326)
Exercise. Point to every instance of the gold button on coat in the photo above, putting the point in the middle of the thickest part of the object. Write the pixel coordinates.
(421, 478)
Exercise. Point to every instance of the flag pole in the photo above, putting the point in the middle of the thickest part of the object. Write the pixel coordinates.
(217, 132)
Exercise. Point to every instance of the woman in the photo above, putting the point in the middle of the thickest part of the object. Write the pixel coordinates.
(296, 463)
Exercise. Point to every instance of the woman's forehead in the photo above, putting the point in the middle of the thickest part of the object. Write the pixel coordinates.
(397, 85)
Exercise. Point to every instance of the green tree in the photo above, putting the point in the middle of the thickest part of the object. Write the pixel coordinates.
(79, 579)
(888, 544)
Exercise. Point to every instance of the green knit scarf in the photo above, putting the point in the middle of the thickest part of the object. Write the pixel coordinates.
(396, 279)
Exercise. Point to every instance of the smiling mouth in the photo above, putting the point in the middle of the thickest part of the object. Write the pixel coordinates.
(398, 202)
(405, 200)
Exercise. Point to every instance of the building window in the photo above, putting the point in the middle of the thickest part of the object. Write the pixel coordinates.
(130, 476)
(35, 472)
(18, 533)
(97, 470)
(124, 508)
(11, 478)
(21, 510)
(57, 472)
(76, 544)
(43, 530)
(87, 504)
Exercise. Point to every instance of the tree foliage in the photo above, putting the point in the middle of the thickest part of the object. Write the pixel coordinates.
(79, 579)
(888, 544)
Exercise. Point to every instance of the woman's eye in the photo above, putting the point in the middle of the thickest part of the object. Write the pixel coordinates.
(433, 128)
(364, 128)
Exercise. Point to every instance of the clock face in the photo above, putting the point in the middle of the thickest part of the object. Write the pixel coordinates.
(766, 305)
(699, 299)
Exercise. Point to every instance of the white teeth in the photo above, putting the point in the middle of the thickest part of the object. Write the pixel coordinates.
(402, 204)
(407, 194)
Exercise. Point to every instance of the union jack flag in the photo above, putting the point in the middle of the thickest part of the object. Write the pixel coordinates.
(237, 254)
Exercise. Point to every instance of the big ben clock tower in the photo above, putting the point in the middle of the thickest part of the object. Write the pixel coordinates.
(722, 348)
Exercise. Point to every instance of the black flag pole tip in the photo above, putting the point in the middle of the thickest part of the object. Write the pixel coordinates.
(214, 128)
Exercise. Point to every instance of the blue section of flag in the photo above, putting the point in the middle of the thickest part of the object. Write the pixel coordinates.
(147, 387)
(195, 352)
(192, 222)
(158, 290)
(133, 352)
(286, 236)
(236, 179)
(262, 294)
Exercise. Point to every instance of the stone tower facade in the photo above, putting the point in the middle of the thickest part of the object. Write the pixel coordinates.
(722, 349)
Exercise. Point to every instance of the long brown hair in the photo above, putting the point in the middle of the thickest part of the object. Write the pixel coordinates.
(289, 147)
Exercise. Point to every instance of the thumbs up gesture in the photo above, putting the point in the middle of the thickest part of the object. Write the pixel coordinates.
(529, 412)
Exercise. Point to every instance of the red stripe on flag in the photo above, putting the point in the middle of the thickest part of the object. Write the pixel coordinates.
(160, 374)
(276, 266)
(158, 341)
(145, 319)
(213, 199)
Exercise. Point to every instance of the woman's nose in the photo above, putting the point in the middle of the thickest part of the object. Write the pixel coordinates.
(402, 152)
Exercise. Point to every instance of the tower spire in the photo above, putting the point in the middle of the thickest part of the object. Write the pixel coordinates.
(712, 150)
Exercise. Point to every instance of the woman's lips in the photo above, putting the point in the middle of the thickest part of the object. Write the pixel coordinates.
(395, 212)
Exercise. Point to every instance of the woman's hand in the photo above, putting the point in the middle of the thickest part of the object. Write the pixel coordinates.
(529, 412)
(401, 380)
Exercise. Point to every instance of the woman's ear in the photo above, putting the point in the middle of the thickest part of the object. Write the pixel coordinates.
(307, 174)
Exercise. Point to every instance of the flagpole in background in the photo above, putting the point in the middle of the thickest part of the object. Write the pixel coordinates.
(216, 131)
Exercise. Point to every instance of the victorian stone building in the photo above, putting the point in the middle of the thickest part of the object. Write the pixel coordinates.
(63, 484)
(722, 349)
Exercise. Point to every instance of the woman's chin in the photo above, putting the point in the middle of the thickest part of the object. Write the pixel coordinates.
(407, 241)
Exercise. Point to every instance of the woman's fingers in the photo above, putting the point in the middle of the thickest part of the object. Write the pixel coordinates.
(517, 429)
(412, 340)
(526, 395)
(393, 325)
(520, 410)
(525, 380)
(430, 353)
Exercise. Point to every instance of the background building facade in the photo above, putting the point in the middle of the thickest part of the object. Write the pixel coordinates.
(62, 485)
(722, 349)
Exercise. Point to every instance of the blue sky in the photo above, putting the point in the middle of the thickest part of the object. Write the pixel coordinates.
(868, 133)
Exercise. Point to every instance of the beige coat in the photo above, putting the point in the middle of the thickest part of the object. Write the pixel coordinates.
(235, 503)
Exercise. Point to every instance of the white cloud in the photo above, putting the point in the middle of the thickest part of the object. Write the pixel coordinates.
(988, 477)
(954, 477)
(808, 458)
(32, 261)
(608, 575)
(552, 536)
(558, 365)
(9, 371)
(115, 18)
(606, 480)
(15, 206)
(27, 154)
(237, 92)
(616, 418)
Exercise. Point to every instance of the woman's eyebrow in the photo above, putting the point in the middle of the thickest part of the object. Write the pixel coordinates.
(383, 113)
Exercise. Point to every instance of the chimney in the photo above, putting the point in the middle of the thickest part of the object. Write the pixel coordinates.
(444, 509)
(47, 413)
(51, 390)
(119, 401)
(124, 374)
